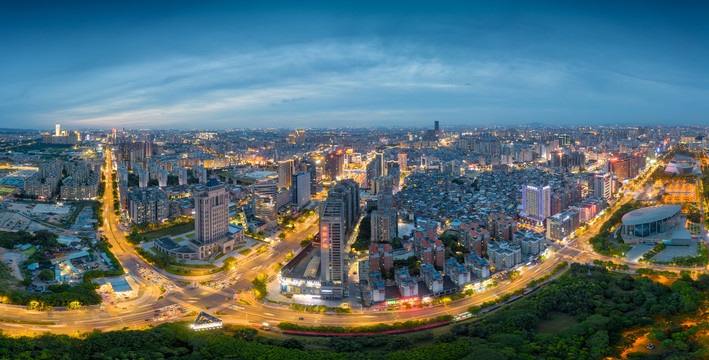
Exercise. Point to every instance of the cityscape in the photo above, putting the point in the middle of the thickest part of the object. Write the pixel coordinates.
(370, 208)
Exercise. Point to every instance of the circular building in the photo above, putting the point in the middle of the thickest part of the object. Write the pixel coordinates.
(652, 221)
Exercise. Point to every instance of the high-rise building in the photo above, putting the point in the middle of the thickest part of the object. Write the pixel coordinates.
(143, 178)
(561, 225)
(182, 176)
(162, 178)
(436, 127)
(536, 205)
(312, 167)
(301, 189)
(211, 219)
(381, 164)
(601, 185)
(57, 130)
(384, 219)
(333, 236)
(285, 174)
(148, 205)
(403, 162)
(348, 191)
(334, 165)
(200, 172)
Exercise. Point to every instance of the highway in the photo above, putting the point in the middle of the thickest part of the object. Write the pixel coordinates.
(139, 313)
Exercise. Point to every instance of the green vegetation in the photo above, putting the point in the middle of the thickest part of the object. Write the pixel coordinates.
(611, 265)
(655, 250)
(602, 243)
(245, 252)
(46, 275)
(25, 322)
(559, 268)
(365, 328)
(259, 286)
(364, 235)
(143, 233)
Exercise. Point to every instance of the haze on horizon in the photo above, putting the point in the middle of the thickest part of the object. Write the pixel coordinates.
(316, 64)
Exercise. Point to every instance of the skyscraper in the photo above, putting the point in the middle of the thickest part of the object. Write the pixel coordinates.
(381, 164)
(436, 127)
(301, 189)
(57, 130)
(211, 219)
(334, 165)
(285, 173)
(333, 237)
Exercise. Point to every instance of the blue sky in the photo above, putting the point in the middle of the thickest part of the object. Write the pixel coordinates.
(211, 64)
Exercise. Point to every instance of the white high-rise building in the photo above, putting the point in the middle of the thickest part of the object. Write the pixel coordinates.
(57, 130)
(143, 178)
(536, 201)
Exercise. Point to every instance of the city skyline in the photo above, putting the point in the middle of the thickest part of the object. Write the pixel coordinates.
(223, 65)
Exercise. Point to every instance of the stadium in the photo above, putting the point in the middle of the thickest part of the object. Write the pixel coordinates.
(663, 223)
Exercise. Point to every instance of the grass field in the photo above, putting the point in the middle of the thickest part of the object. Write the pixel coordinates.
(4, 190)
(169, 231)
(245, 252)
(555, 323)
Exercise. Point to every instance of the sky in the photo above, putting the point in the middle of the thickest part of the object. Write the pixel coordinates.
(257, 64)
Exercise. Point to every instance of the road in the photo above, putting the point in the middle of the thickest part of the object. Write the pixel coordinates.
(199, 297)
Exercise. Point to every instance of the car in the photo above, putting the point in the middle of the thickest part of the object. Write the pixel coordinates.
(300, 318)
(650, 346)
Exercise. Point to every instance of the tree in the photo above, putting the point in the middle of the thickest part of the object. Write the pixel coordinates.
(46, 275)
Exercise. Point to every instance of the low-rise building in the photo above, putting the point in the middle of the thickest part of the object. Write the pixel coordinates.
(477, 265)
(504, 254)
(457, 272)
(432, 278)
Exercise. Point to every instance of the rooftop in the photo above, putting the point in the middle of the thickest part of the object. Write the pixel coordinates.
(651, 214)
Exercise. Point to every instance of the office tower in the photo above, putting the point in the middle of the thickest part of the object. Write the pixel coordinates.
(143, 178)
(403, 162)
(312, 166)
(436, 127)
(182, 176)
(600, 185)
(265, 199)
(285, 174)
(211, 219)
(334, 165)
(333, 237)
(301, 189)
(57, 130)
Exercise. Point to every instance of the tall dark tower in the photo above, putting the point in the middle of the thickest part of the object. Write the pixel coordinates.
(436, 127)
